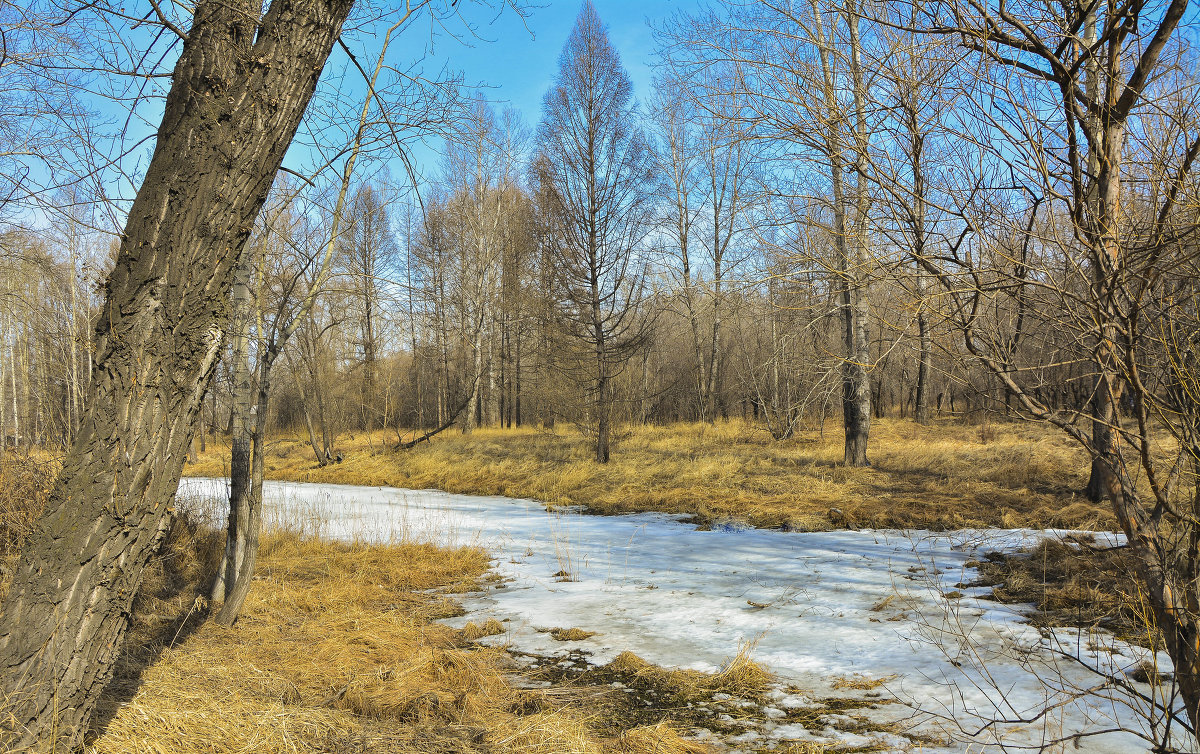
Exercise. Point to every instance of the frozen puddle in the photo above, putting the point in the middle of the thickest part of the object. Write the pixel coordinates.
(820, 607)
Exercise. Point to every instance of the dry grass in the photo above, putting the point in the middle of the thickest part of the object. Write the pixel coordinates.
(947, 475)
(741, 677)
(336, 651)
(570, 634)
(490, 627)
(860, 682)
(1073, 583)
(25, 481)
(659, 738)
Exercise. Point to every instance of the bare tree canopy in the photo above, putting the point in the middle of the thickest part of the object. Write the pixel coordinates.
(596, 163)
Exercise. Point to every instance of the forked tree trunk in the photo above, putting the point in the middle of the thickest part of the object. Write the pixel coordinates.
(238, 93)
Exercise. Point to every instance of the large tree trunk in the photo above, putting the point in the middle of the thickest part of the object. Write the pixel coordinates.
(238, 93)
(1103, 440)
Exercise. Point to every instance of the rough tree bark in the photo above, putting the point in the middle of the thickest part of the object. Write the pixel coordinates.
(239, 90)
(856, 395)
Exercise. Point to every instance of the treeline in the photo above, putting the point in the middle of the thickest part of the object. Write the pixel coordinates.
(48, 300)
(768, 251)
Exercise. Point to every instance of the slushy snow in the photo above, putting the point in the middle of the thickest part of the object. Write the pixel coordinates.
(818, 608)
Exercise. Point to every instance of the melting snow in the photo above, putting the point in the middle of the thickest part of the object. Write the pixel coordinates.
(850, 605)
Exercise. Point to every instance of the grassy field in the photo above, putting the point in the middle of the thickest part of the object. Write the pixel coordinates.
(947, 475)
(337, 651)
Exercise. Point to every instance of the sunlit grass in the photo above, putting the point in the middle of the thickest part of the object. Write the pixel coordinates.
(337, 651)
(947, 475)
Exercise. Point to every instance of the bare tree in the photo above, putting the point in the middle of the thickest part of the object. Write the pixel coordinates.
(368, 257)
(798, 73)
(1091, 122)
(597, 165)
(481, 171)
(707, 163)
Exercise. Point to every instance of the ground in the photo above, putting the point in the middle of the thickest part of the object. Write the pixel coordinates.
(338, 651)
(948, 475)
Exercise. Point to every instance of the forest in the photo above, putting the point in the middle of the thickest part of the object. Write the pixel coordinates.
(820, 216)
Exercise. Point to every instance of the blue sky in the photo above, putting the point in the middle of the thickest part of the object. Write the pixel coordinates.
(515, 61)
(521, 63)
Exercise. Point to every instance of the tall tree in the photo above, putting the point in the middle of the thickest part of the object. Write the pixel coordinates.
(707, 166)
(368, 256)
(597, 164)
(798, 71)
(239, 90)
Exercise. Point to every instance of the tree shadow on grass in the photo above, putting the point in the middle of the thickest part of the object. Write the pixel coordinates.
(170, 608)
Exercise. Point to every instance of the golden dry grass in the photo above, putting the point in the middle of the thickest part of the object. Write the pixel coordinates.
(947, 475)
(1074, 582)
(25, 481)
(336, 651)
(490, 627)
(741, 677)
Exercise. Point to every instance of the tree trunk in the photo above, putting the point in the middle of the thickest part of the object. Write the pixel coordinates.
(517, 382)
(856, 394)
(713, 388)
(238, 93)
(924, 357)
(241, 422)
(473, 406)
(492, 406)
(1104, 441)
(603, 415)
(245, 511)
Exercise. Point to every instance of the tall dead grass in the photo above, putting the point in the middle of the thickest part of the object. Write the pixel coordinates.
(336, 651)
(946, 475)
(25, 482)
